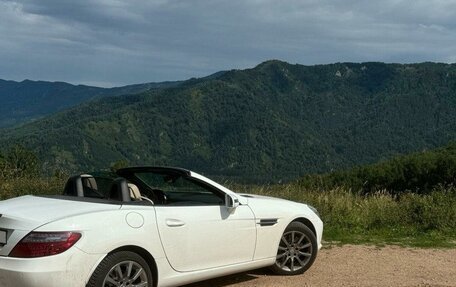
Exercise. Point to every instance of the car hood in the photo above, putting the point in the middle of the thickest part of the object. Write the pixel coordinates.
(272, 207)
(248, 195)
(29, 212)
(266, 200)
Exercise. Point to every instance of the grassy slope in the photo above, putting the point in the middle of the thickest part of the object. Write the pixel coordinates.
(410, 220)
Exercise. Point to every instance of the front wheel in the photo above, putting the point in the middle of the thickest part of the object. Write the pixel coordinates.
(297, 250)
(124, 268)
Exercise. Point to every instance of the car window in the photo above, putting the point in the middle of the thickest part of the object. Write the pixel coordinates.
(181, 190)
(97, 184)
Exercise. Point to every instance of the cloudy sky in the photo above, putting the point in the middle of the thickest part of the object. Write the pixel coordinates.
(113, 42)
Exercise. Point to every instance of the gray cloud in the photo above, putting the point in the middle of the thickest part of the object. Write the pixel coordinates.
(113, 42)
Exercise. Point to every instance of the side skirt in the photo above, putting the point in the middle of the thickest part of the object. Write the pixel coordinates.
(171, 278)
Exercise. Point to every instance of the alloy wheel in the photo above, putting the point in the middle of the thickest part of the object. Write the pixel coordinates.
(126, 274)
(295, 251)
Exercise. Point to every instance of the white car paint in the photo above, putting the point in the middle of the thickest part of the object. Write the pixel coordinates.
(205, 231)
(187, 243)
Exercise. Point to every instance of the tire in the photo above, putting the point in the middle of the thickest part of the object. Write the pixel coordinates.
(134, 271)
(297, 250)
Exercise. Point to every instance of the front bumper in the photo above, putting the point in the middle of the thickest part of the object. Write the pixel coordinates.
(319, 229)
(72, 268)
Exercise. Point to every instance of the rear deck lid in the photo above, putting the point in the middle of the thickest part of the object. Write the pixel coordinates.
(23, 214)
(29, 212)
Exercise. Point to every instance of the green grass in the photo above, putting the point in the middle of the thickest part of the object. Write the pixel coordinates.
(380, 218)
(349, 218)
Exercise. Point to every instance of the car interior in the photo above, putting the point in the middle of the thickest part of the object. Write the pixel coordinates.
(144, 187)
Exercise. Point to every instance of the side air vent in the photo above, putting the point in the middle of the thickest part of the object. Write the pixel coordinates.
(268, 222)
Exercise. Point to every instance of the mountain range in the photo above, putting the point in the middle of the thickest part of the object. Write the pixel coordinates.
(29, 100)
(275, 121)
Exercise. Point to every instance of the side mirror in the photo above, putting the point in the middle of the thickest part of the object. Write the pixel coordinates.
(231, 202)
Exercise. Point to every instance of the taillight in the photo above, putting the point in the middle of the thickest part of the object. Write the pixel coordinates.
(39, 244)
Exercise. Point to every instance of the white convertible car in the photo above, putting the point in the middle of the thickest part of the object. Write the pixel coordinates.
(150, 226)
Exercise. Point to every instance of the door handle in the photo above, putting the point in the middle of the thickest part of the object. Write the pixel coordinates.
(174, 223)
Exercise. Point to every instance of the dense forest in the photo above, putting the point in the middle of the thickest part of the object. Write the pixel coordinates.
(274, 122)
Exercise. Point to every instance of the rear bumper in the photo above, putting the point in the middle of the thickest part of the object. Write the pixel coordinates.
(70, 269)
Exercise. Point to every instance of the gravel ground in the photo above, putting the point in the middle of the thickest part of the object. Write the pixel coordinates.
(358, 265)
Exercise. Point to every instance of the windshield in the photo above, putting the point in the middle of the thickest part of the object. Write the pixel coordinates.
(177, 189)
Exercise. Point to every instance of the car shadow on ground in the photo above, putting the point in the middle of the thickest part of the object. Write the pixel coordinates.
(232, 279)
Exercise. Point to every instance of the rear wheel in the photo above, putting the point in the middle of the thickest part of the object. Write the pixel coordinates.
(125, 269)
(297, 250)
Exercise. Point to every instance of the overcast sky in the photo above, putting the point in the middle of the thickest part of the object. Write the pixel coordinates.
(113, 42)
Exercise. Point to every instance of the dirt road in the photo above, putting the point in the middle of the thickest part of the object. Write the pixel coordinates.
(359, 266)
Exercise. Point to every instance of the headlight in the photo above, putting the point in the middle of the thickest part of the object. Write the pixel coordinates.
(314, 210)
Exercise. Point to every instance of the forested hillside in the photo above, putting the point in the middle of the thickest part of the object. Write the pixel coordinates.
(419, 172)
(275, 121)
(28, 100)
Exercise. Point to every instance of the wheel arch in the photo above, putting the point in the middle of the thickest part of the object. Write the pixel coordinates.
(145, 255)
(307, 223)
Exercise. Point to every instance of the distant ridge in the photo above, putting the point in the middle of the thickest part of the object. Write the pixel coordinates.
(28, 100)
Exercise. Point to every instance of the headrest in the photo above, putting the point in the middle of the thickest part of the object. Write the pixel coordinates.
(119, 190)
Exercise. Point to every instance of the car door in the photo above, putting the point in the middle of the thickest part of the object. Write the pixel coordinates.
(198, 231)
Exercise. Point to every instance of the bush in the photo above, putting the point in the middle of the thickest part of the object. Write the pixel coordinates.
(22, 186)
(19, 162)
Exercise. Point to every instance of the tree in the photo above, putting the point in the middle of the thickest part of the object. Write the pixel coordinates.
(20, 162)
